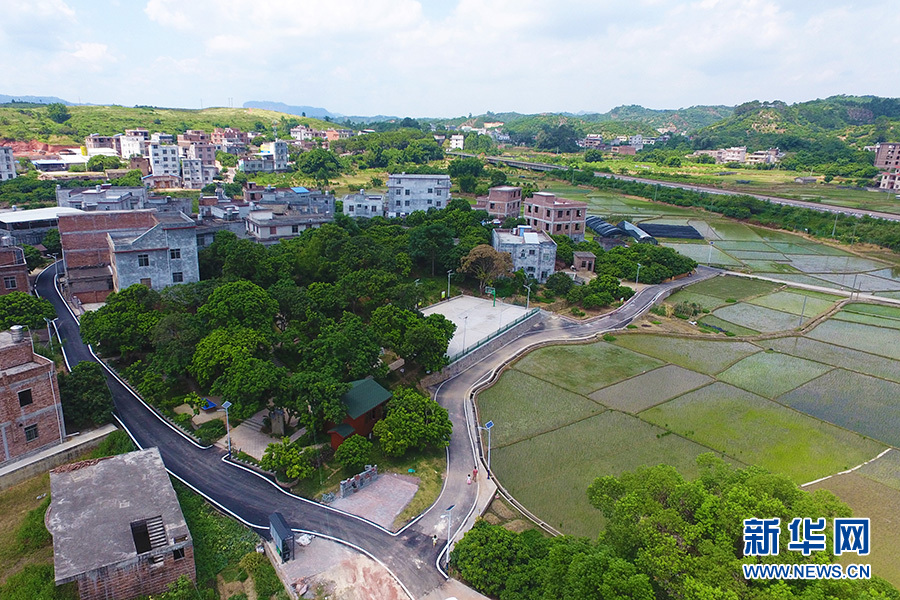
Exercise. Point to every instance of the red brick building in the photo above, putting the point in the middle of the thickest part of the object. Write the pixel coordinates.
(556, 216)
(117, 527)
(501, 202)
(365, 406)
(13, 270)
(30, 411)
(86, 249)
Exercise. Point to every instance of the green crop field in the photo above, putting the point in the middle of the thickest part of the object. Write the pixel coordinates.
(879, 503)
(771, 374)
(868, 320)
(837, 356)
(549, 474)
(705, 356)
(524, 406)
(583, 368)
(703, 300)
(797, 302)
(758, 318)
(643, 391)
(891, 312)
(725, 325)
(761, 432)
(858, 402)
(867, 338)
(729, 287)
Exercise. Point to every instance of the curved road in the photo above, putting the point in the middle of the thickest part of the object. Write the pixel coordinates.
(249, 497)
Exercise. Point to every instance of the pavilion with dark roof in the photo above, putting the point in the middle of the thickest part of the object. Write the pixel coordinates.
(364, 402)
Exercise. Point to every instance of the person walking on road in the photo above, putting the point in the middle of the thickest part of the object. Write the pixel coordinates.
(468, 480)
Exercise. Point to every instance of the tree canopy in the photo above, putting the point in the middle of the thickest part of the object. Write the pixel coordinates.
(85, 397)
(412, 421)
(19, 308)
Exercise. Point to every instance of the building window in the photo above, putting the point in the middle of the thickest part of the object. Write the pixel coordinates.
(406, 192)
(437, 192)
(531, 252)
(175, 253)
(177, 277)
(9, 283)
(398, 203)
(397, 192)
(429, 201)
(438, 203)
(178, 553)
(558, 227)
(430, 190)
(143, 260)
(296, 228)
(273, 230)
(406, 203)
(31, 433)
(25, 398)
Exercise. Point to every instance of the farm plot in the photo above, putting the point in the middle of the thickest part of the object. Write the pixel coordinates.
(832, 264)
(858, 402)
(758, 318)
(704, 356)
(761, 432)
(771, 374)
(744, 255)
(550, 473)
(527, 406)
(729, 245)
(891, 312)
(885, 470)
(643, 391)
(769, 267)
(793, 302)
(837, 356)
(862, 282)
(880, 504)
(703, 300)
(853, 317)
(583, 368)
(728, 230)
(718, 323)
(701, 253)
(867, 338)
(729, 287)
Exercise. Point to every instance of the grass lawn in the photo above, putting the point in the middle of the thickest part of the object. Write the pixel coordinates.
(705, 356)
(523, 406)
(759, 431)
(771, 374)
(858, 402)
(583, 368)
(643, 391)
(880, 503)
(549, 474)
(758, 318)
(15, 504)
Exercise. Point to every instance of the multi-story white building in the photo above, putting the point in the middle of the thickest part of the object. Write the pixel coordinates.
(457, 142)
(409, 193)
(363, 205)
(279, 152)
(532, 251)
(7, 164)
(194, 174)
(164, 159)
(132, 145)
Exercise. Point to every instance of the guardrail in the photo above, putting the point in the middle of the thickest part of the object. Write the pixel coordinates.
(494, 335)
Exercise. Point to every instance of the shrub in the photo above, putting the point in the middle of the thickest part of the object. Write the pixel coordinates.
(210, 431)
(354, 452)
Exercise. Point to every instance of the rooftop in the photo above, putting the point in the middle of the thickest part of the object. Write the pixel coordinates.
(511, 236)
(96, 502)
(36, 214)
(363, 396)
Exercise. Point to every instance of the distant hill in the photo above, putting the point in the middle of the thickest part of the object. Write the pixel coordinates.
(309, 111)
(856, 120)
(33, 99)
(33, 123)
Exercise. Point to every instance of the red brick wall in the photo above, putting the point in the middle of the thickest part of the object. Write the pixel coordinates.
(84, 239)
(137, 579)
(40, 378)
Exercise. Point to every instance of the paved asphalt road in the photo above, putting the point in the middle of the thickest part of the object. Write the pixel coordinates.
(409, 554)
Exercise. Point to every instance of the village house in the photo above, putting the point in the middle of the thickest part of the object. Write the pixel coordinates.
(532, 251)
(364, 402)
(556, 216)
(409, 193)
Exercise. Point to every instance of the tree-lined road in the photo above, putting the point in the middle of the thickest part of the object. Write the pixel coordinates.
(410, 555)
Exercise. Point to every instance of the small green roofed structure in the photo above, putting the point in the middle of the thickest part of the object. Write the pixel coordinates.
(364, 402)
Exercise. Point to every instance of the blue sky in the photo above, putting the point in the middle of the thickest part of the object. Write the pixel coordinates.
(447, 58)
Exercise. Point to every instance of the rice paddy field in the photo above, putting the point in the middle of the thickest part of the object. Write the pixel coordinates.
(807, 403)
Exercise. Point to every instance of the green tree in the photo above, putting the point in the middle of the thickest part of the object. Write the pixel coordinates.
(226, 160)
(345, 350)
(102, 163)
(484, 264)
(123, 325)
(354, 453)
(467, 183)
(58, 112)
(430, 242)
(287, 460)
(85, 397)
(248, 383)
(33, 257)
(19, 308)
(592, 155)
(413, 421)
(175, 337)
(239, 304)
(465, 166)
(218, 350)
(425, 342)
(52, 242)
(313, 397)
(319, 164)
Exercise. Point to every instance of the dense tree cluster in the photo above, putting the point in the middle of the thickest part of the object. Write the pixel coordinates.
(412, 422)
(85, 397)
(391, 150)
(666, 538)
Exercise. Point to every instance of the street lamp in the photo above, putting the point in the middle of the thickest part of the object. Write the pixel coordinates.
(49, 335)
(465, 326)
(487, 427)
(637, 279)
(449, 273)
(709, 255)
(449, 519)
(226, 405)
(528, 297)
(417, 292)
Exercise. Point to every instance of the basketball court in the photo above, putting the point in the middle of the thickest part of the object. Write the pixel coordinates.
(476, 319)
